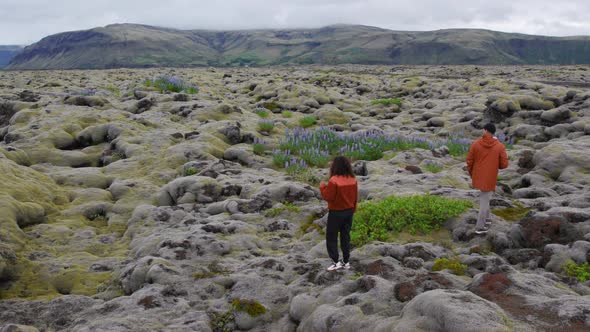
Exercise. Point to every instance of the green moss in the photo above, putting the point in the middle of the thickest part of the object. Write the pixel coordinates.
(512, 214)
(450, 180)
(252, 307)
(451, 264)
(271, 106)
(36, 282)
(309, 226)
(205, 275)
(356, 276)
(387, 101)
(273, 212)
(440, 236)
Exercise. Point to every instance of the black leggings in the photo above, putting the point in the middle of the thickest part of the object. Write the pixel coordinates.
(339, 221)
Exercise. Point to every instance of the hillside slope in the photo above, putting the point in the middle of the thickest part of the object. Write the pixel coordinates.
(131, 45)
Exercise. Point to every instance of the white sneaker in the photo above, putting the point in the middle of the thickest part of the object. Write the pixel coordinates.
(335, 266)
(346, 266)
(481, 231)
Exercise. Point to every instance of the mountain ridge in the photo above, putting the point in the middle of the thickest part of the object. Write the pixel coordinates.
(138, 45)
(7, 52)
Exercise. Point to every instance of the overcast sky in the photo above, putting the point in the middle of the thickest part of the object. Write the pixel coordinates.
(27, 21)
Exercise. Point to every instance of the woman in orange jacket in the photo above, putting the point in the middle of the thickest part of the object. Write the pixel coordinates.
(341, 193)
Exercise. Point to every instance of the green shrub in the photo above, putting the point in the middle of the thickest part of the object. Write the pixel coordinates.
(433, 166)
(287, 114)
(252, 307)
(375, 221)
(387, 101)
(190, 171)
(263, 113)
(258, 148)
(580, 272)
(307, 121)
(266, 126)
(451, 264)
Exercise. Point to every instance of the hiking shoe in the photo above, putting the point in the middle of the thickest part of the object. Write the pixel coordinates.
(481, 231)
(335, 266)
(346, 266)
(488, 223)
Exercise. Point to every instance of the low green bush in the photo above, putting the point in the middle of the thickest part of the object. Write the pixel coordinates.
(190, 171)
(263, 113)
(377, 221)
(258, 148)
(433, 166)
(266, 126)
(579, 271)
(287, 114)
(307, 121)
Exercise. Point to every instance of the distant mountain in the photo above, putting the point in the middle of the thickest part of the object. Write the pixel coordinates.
(132, 45)
(7, 52)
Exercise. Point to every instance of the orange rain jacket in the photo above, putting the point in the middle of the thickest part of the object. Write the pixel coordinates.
(486, 156)
(341, 192)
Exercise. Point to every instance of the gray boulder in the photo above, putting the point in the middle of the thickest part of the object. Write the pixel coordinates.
(446, 310)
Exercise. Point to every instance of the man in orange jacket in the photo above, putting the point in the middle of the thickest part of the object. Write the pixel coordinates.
(486, 156)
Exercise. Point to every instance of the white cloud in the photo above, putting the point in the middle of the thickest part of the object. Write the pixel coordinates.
(27, 21)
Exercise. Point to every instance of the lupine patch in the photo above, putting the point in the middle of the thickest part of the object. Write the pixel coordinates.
(172, 84)
(317, 147)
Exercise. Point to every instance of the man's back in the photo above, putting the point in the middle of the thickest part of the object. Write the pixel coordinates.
(486, 156)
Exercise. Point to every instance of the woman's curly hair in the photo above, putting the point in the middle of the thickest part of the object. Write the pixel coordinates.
(341, 166)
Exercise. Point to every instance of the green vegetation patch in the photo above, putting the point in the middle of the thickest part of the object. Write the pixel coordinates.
(387, 101)
(579, 271)
(273, 212)
(171, 84)
(261, 112)
(252, 307)
(376, 221)
(451, 264)
(307, 121)
(271, 106)
(512, 214)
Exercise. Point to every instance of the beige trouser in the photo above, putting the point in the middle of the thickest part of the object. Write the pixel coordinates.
(484, 208)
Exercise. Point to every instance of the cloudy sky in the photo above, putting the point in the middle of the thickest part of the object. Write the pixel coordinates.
(27, 21)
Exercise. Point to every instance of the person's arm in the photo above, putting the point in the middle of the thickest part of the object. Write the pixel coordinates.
(470, 159)
(328, 190)
(356, 196)
(503, 158)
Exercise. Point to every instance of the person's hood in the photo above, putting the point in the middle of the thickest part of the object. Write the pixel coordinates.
(488, 141)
